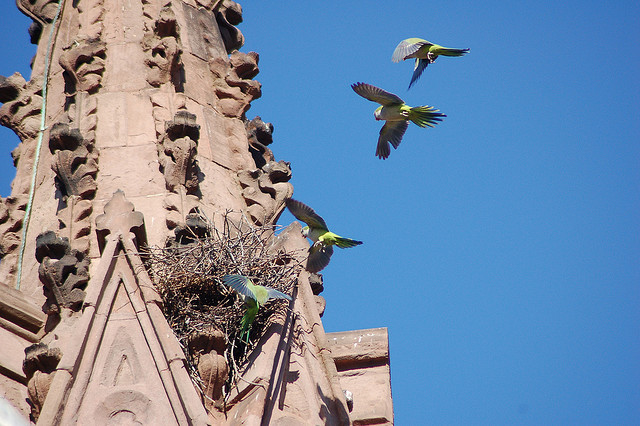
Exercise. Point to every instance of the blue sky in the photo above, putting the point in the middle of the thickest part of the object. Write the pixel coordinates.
(502, 247)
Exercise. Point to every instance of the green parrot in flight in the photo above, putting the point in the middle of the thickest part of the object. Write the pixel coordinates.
(253, 296)
(396, 114)
(316, 230)
(425, 53)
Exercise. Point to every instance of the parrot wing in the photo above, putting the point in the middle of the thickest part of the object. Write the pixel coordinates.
(319, 257)
(421, 64)
(240, 284)
(391, 132)
(376, 94)
(275, 294)
(306, 214)
(407, 47)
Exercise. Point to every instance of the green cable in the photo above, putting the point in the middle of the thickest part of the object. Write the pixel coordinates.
(36, 160)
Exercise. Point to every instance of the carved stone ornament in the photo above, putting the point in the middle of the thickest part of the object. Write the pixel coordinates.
(260, 134)
(207, 349)
(39, 366)
(228, 15)
(64, 273)
(195, 226)
(177, 153)
(75, 165)
(265, 190)
(120, 217)
(163, 51)
(83, 63)
(234, 87)
(21, 106)
(40, 10)
(74, 161)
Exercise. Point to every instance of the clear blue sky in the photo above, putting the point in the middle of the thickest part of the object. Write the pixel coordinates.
(501, 248)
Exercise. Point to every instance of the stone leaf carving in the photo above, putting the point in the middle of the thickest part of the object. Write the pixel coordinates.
(177, 153)
(228, 15)
(163, 51)
(90, 18)
(39, 366)
(176, 205)
(11, 215)
(83, 63)
(75, 165)
(22, 104)
(74, 161)
(264, 191)
(234, 87)
(63, 272)
(207, 349)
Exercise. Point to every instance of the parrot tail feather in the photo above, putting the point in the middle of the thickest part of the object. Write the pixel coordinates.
(445, 51)
(424, 116)
(347, 242)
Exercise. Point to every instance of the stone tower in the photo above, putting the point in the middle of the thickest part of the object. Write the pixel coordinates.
(133, 119)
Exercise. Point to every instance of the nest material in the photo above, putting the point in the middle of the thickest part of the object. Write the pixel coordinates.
(189, 280)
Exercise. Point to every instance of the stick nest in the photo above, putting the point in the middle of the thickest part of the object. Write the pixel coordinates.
(188, 276)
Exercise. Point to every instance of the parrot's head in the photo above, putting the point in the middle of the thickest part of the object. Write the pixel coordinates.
(305, 231)
(376, 113)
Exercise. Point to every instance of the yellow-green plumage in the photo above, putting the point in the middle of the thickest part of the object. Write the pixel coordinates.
(396, 115)
(424, 52)
(253, 296)
(323, 240)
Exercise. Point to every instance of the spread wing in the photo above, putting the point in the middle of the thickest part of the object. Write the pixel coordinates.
(272, 293)
(408, 47)
(306, 214)
(376, 94)
(391, 132)
(241, 284)
(319, 257)
(421, 64)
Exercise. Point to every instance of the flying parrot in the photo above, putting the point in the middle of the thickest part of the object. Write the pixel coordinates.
(253, 296)
(396, 114)
(316, 230)
(425, 53)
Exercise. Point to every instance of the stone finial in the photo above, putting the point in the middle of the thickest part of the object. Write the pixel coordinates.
(64, 273)
(120, 217)
(207, 348)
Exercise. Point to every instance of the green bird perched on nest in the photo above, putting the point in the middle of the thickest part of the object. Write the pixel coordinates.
(253, 296)
(424, 52)
(316, 230)
(396, 114)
